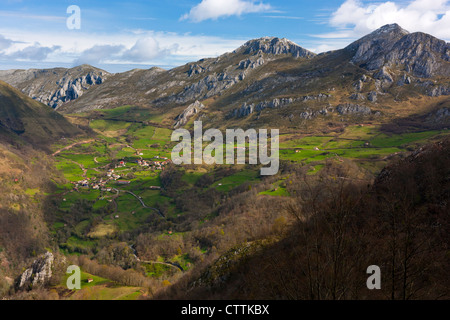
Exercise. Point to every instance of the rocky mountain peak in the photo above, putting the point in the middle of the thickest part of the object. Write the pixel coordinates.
(390, 29)
(274, 45)
(418, 53)
(380, 40)
(421, 54)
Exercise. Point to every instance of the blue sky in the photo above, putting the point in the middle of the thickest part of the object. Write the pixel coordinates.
(119, 35)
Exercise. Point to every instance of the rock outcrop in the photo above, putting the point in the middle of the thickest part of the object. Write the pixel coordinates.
(247, 109)
(251, 63)
(207, 87)
(357, 96)
(39, 273)
(440, 116)
(372, 96)
(195, 69)
(436, 91)
(191, 110)
(349, 108)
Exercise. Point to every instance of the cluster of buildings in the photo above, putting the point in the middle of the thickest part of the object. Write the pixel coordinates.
(95, 184)
(112, 175)
(91, 183)
(156, 165)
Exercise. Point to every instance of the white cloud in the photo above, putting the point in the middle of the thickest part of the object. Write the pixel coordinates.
(430, 16)
(35, 52)
(5, 43)
(98, 54)
(214, 9)
(130, 47)
(145, 49)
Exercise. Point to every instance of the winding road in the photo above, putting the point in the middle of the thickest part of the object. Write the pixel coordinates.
(141, 201)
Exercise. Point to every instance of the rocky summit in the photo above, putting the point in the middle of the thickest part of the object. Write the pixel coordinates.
(274, 45)
(418, 53)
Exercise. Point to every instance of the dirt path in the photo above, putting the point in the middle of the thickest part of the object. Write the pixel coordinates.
(71, 146)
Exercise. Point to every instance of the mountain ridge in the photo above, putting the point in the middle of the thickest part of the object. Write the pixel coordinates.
(255, 77)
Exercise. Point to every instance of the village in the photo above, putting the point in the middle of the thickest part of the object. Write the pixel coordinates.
(114, 172)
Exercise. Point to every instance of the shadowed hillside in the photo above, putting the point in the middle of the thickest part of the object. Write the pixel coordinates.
(30, 120)
(400, 223)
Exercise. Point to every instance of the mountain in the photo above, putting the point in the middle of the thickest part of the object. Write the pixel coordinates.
(387, 67)
(274, 81)
(199, 80)
(24, 119)
(54, 87)
(388, 73)
(419, 54)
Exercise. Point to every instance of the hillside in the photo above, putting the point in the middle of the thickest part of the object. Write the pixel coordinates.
(27, 176)
(401, 223)
(31, 121)
(362, 179)
(56, 86)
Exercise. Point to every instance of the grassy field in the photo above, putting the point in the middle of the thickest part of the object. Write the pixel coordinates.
(356, 142)
(276, 192)
(71, 171)
(109, 125)
(102, 289)
(236, 179)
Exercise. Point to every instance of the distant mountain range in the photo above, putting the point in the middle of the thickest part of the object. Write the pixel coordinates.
(263, 76)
